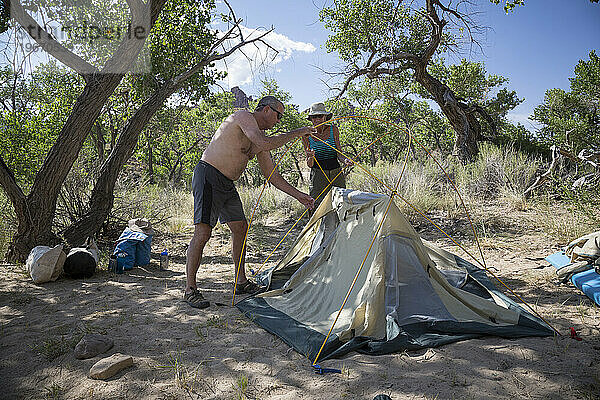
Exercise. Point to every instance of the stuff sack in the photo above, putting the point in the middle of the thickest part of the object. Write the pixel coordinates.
(81, 262)
(45, 264)
(585, 248)
(133, 248)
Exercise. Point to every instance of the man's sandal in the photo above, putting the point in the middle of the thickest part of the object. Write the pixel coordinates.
(195, 299)
(248, 287)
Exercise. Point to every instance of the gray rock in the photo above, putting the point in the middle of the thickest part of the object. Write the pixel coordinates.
(91, 345)
(109, 366)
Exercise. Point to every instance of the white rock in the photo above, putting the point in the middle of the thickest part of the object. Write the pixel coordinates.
(109, 366)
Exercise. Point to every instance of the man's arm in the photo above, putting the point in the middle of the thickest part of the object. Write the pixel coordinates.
(266, 166)
(250, 128)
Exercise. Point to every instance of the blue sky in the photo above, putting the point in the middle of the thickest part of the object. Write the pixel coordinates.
(536, 47)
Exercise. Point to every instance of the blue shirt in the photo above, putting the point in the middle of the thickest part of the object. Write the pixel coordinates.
(322, 151)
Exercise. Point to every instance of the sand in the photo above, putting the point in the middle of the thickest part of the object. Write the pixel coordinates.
(217, 353)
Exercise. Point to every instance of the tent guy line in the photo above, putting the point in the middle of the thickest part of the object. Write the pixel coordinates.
(387, 209)
(482, 263)
(254, 273)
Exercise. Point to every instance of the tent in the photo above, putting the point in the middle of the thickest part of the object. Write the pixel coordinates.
(409, 295)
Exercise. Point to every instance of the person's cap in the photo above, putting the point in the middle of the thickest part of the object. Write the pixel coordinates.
(318, 109)
(141, 225)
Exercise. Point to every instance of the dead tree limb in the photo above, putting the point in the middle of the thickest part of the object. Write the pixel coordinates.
(586, 156)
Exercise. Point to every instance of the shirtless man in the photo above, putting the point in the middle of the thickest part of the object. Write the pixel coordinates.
(239, 138)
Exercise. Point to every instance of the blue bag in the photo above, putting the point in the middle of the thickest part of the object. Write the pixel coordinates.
(133, 249)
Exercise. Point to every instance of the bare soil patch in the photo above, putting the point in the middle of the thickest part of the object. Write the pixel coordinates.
(217, 353)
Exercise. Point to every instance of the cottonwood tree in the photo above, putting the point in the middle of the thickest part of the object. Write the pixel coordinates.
(175, 67)
(35, 210)
(378, 38)
(571, 119)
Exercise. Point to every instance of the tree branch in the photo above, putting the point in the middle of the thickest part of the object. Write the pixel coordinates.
(48, 43)
(373, 70)
(437, 26)
(210, 58)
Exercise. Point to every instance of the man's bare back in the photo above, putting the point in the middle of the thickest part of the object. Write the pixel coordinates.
(230, 149)
(240, 137)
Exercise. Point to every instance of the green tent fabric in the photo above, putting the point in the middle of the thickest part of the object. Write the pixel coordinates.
(409, 295)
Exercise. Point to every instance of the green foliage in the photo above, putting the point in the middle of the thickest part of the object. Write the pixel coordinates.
(35, 108)
(361, 26)
(510, 5)
(572, 119)
(292, 119)
(520, 137)
(392, 114)
(586, 82)
(4, 16)
(179, 39)
(177, 136)
(93, 29)
(470, 82)
(7, 223)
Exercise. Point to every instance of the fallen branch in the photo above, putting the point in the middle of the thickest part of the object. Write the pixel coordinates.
(586, 155)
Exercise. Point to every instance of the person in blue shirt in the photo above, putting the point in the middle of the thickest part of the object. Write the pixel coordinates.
(324, 161)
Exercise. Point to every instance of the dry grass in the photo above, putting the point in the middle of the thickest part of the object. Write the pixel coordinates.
(499, 176)
(566, 223)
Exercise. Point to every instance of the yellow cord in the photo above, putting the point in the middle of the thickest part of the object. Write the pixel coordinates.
(364, 260)
(237, 272)
(394, 192)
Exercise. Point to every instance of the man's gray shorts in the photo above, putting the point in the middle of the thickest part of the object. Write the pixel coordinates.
(215, 197)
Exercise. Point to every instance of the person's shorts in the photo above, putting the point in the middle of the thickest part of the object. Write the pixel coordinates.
(215, 197)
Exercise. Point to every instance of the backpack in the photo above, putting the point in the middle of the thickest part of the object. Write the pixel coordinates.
(81, 262)
(585, 248)
(584, 253)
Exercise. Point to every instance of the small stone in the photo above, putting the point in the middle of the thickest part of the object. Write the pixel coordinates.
(109, 366)
(91, 345)
(229, 362)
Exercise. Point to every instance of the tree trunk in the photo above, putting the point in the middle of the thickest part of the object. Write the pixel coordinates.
(462, 120)
(34, 220)
(102, 197)
(150, 158)
(99, 141)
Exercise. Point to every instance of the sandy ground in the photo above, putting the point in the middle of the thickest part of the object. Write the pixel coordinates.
(217, 353)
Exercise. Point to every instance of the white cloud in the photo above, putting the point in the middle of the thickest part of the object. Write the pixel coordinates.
(524, 120)
(242, 68)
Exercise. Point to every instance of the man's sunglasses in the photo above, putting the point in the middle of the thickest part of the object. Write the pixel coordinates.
(279, 114)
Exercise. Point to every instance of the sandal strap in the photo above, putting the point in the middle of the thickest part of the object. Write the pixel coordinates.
(247, 287)
(194, 297)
